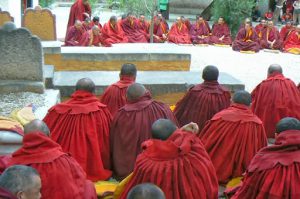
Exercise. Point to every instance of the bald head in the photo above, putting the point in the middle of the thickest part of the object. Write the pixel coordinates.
(162, 129)
(36, 125)
(146, 191)
(85, 84)
(242, 97)
(274, 68)
(135, 91)
(128, 70)
(113, 19)
(288, 123)
(210, 73)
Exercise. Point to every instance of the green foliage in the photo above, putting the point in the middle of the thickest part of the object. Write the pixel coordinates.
(233, 11)
(137, 7)
(46, 3)
(93, 4)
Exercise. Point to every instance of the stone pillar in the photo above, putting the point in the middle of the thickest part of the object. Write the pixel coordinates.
(14, 8)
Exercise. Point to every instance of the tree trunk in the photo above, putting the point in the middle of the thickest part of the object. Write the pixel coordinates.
(278, 8)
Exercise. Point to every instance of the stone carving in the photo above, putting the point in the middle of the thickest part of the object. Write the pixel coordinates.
(5, 17)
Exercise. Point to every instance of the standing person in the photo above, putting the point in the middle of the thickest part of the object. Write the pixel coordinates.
(296, 14)
(164, 8)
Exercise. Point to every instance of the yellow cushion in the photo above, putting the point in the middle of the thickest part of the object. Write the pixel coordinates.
(234, 182)
(222, 45)
(247, 51)
(105, 186)
(295, 51)
(120, 188)
(24, 115)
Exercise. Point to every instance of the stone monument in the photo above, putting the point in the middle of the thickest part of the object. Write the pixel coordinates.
(5, 17)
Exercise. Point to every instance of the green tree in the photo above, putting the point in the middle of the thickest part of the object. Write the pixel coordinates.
(233, 11)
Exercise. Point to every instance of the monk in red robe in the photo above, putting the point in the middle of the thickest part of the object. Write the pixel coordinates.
(246, 40)
(179, 34)
(132, 125)
(186, 22)
(20, 182)
(132, 30)
(200, 31)
(176, 161)
(260, 27)
(81, 126)
(113, 33)
(80, 10)
(86, 24)
(220, 33)
(275, 98)
(61, 175)
(232, 138)
(271, 37)
(96, 22)
(286, 30)
(161, 29)
(292, 43)
(143, 25)
(74, 34)
(203, 100)
(115, 95)
(92, 37)
(275, 170)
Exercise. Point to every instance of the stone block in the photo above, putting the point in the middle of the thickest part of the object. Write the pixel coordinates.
(5, 17)
(15, 86)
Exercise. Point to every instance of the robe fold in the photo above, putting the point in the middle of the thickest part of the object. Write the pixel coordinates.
(81, 126)
(130, 127)
(159, 30)
(201, 103)
(4, 194)
(114, 96)
(285, 32)
(271, 35)
(77, 12)
(144, 26)
(179, 34)
(61, 175)
(275, 171)
(292, 41)
(73, 36)
(113, 34)
(246, 41)
(89, 39)
(218, 31)
(133, 32)
(258, 29)
(273, 99)
(202, 30)
(180, 166)
(232, 138)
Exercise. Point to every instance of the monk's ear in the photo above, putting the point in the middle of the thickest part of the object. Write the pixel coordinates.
(20, 195)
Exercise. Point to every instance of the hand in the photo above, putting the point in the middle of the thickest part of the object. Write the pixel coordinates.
(86, 14)
(164, 36)
(191, 127)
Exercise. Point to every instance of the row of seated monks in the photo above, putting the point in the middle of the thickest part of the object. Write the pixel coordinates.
(211, 139)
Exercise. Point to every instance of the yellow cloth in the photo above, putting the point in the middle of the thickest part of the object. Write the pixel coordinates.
(247, 52)
(295, 51)
(120, 188)
(172, 108)
(234, 182)
(9, 124)
(222, 45)
(105, 186)
(24, 115)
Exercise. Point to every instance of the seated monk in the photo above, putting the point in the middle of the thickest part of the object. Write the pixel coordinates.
(247, 20)
(246, 40)
(186, 22)
(80, 10)
(292, 43)
(83, 121)
(176, 161)
(146, 191)
(92, 37)
(260, 27)
(274, 171)
(61, 175)
(179, 34)
(20, 182)
(275, 98)
(271, 37)
(96, 22)
(112, 32)
(74, 34)
(161, 29)
(232, 138)
(286, 30)
(203, 100)
(115, 95)
(131, 126)
(86, 24)
(143, 25)
(200, 31)
(220, 33)
(132, 30)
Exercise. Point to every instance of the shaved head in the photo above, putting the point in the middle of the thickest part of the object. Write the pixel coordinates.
(288, 123)
(113, 19)
(135, 91)
(210, 73)
(146, 191)
(78, 23)
(36, 125)
(242, 97)
(85, 84)
(128, 69)
(274, 68)
(162, 129)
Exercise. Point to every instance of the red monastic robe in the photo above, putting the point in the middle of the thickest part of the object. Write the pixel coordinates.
(92, 24)
(61, 175)
(258, 29)
(275, 171)
(188, 24)
(113, 35)
(73, 36)
(179, 34)
(271, 35)
(285, 32)
(4, 160)
(89, 39)
(275, 98)
(133, 32)
(180, 166)
(77, 12)
(115, 95)
(159, 30)
(143, 26)
(4, 194)
(232, 138)
(246, 41)
(201, 103)
(81, 126)
(201, 29)
(130, 127)
(293, 41)
(218, 31)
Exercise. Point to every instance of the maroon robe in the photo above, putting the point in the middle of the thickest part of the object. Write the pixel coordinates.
(130, 127)
(218, 31)
(159, 30)
(180, 166)
(61, 175)
(143, 26)
(275, 171)
(113, 35)
(285, 32)
(81, 126)
(246, 41)
(197, 30)
(188, 24)
(201, 103)
(258, 29)
(4, 194)
(77, 12)
(232, 138)
(92, 24)
(179, 34)
(133, 32)
(115, 95)
(73, 36)
(271, 35)
(275, 98)
(89, 39)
